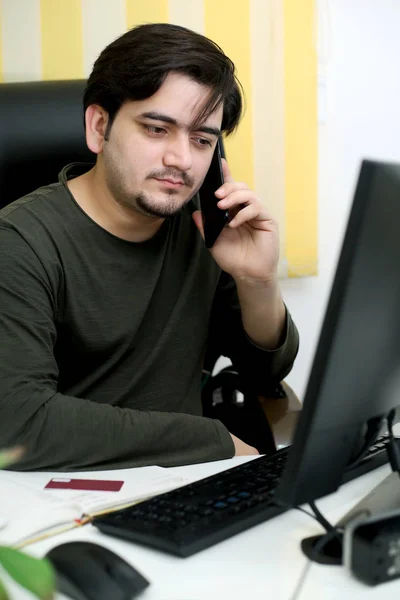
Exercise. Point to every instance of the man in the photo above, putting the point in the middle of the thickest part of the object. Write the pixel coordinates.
(109, 297)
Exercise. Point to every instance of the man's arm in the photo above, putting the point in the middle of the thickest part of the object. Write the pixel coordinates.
(63, 432)
(257, 366)
(263, 312)
(264, 342)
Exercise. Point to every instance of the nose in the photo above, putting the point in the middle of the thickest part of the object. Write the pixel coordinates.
(178, 153)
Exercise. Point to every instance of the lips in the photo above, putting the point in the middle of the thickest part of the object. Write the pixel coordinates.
(171, 182)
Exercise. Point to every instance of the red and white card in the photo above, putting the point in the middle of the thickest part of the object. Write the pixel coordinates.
(93, 485)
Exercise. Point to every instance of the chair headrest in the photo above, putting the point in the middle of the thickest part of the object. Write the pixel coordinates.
(41, 130)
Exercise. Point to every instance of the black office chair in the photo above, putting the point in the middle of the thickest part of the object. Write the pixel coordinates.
(41, 130)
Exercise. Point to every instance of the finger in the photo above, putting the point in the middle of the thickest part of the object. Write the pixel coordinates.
(226, 171)
(198, 219)
(242, 198)
(250, 213)
(228, 188)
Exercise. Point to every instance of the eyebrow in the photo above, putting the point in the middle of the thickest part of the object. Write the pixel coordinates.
(166, 119)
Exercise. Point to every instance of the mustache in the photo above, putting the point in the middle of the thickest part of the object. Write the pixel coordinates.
(172, 174)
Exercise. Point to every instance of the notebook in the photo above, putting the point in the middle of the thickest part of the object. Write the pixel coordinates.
(33, 511)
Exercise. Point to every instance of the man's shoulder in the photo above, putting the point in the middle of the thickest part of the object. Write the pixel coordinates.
(35, 223)
(35, 203)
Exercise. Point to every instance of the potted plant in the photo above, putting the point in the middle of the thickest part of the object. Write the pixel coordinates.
(34, 574)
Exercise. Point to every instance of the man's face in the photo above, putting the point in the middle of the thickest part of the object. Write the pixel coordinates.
(154, 160)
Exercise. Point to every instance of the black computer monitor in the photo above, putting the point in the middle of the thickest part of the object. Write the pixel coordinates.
(352, 385)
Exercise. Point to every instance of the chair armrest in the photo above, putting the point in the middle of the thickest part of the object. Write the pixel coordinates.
(282, 415)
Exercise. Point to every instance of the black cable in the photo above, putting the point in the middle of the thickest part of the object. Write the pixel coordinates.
(390, 419)
(393, 448)
(306, 513)
(331, 532)
(317, 516)
(373, 429)
(324, 539)
(320, 517)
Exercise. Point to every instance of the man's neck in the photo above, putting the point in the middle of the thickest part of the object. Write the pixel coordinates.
(94, 198)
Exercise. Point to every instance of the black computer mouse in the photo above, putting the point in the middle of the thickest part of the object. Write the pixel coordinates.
(87, 571)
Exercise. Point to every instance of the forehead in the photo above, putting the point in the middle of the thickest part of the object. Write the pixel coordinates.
(181, 98)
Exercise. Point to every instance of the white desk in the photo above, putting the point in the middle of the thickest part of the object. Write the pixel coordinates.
(261, 563)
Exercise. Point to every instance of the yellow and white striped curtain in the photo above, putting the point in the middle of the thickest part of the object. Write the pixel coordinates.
(272, 43)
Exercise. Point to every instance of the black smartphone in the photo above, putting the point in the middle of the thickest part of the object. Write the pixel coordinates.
(214, 219)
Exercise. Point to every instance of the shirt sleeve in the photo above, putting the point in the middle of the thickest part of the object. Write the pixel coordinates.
(258, 368)
(61, 432)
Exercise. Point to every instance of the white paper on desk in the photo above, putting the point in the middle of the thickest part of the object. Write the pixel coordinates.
(143, 482)
(28, 511)
(29, 508)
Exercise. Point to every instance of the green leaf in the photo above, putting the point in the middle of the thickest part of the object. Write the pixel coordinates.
(34, 574)
(7, 457)
(3, 592)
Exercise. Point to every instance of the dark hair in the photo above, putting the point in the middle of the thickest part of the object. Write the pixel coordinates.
(135, 65)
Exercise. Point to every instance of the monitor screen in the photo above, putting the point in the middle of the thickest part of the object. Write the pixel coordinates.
(354, 380)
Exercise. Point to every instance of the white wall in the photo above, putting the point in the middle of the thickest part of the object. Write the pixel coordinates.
(363, 120)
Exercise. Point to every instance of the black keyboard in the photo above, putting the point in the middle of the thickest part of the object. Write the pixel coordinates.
(201, 514)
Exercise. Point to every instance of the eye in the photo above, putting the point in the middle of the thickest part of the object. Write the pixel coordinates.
(203, 141)
(154, 129)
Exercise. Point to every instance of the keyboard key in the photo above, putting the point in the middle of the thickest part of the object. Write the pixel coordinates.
(243, 494)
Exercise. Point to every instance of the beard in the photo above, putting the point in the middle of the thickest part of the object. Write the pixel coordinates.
(169, 208)
(142, 201)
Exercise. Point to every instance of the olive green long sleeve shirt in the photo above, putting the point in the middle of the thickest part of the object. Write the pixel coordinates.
(102, 340)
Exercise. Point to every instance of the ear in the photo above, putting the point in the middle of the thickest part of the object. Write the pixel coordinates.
(96, 119)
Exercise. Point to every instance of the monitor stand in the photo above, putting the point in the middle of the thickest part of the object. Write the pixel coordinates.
(385, 497)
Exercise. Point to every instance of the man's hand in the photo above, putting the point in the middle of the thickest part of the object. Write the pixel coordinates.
(248, 247)
(241, 448)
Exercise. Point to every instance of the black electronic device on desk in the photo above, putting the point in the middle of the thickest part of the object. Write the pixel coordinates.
(352, 388)
(86, 571)
(198, 515)
(372, 548)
